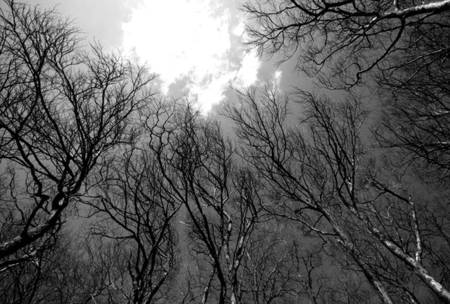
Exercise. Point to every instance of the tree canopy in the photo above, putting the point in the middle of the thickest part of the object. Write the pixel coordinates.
(111, 192)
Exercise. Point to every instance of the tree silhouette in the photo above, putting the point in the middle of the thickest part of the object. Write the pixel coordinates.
(342, 39)
(60, 111)
(320, 175)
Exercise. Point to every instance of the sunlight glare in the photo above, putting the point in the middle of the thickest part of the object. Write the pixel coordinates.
(193, 39)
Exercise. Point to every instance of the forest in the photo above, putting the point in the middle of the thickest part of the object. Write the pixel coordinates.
(112, 192)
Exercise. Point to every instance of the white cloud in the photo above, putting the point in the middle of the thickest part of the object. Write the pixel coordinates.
(239, 29)
(248, 72)
(194, 39)
(277, 78)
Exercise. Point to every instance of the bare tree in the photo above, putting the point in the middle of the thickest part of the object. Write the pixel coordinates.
(273, 270)
(131, 212)
(219, 200)
(417, 101)
(23, 279)
(404, 43)
(348, 37)
(320, 176)
(282, 267)
(60, 111)
(64, 271)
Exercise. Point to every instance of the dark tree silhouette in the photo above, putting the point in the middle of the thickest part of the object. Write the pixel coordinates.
(173, 202)
(320, 175)
(417, 100)
(60, 111)
(348, 37)
(220, 200)
(132, 213)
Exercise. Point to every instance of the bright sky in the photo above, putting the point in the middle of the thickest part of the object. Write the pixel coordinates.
(195, 44)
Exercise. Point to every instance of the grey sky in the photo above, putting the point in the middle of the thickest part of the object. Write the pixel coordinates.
(98, 19)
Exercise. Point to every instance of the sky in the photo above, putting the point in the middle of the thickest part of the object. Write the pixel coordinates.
(194, 46)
